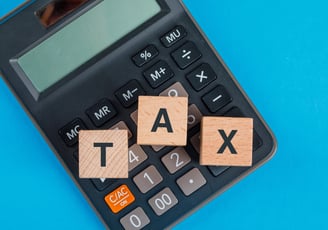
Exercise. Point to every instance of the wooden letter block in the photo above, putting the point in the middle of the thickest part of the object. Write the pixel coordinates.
(103, 154)
(162, 121)
(226, 141)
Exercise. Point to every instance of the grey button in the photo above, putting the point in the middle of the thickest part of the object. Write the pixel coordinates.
(157, 148)
(134, 117)
(163, 201)
(195, 142)
(176, 160)
(136, 156)
(137, 219)
(147, 179)
(175, 90)
(122, 126)
(194, 116)
(191, 181)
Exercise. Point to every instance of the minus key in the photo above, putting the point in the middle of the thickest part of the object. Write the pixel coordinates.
(217, 98)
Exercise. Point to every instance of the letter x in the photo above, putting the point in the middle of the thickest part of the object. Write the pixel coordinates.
(227, 141)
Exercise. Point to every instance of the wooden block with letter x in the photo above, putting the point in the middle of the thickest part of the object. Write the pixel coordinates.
(103, 154)
(162, 120)
(226, 141)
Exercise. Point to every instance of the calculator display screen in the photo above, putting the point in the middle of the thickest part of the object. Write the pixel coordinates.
(82, 39)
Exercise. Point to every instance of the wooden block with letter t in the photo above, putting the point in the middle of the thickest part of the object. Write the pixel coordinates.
(162, 121)
(103, 154)
(226, 141)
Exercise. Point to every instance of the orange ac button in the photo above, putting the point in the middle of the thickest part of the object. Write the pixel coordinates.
(119, 198)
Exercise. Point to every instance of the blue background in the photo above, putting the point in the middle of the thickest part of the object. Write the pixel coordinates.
(278, 51)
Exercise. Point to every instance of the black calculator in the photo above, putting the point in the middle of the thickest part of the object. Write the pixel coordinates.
(81, 65)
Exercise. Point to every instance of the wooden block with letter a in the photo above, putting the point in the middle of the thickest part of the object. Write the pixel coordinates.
(103, 154)
(162, 120)
(226, 141)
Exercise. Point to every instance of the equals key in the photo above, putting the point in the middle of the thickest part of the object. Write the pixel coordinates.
(217, 98)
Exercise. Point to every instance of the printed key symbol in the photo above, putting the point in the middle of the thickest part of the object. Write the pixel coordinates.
(145, 55)
(186, 54)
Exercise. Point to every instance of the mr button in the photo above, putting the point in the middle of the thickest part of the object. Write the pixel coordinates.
(226, 141)
(103, 154)
(162, 121)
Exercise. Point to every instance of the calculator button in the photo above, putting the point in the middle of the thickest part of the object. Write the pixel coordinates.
(173, 36)
(119, 198)
(129, 93)
(163, 201)
(194, 116)
(121, 126)
(191, 181)
(69, 133)
(145, 55)
(134, 117)
(217, 98)
(175, 90)
(176, 160)
(147, 179)
(217, 170)
(102, 183)
(195, 142)
(201, 77)
(186, 55)
(157, 148)
(158, 74)
(101, 113)
(135, 220)
(136, 156)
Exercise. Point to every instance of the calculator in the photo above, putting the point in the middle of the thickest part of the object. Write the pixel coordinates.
(81, 65)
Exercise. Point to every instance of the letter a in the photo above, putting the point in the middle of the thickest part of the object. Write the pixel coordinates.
(167, 124)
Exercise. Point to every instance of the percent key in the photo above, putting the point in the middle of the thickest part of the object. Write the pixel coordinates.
(145, 55)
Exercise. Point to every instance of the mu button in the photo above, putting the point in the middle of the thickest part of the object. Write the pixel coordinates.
(103, 154)
(226, 141)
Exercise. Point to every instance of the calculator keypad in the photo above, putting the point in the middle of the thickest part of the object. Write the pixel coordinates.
(122, 126)
(217, 98)
(136, 156)
(148, 179)
(129, 93)
(158, 74)
(173, 36)
(194, 116)
(191, 181)
(186, 55)
(176, 160)
(101, 112)
(135, 220)
(175, 90)
(163, 201)
(201, 77)
(119, 198)
(69, 133)
(145, 55)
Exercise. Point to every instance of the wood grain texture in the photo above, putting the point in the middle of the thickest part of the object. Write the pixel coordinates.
(148, 110)
(212, 141)
(116, 156)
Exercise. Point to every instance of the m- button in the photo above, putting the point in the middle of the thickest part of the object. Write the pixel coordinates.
(102, 112)
(128, 94)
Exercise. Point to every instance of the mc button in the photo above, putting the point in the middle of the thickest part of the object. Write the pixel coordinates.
(69, 133)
